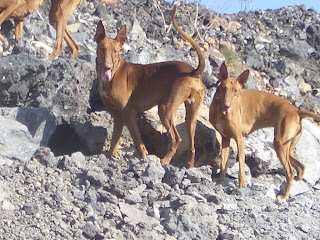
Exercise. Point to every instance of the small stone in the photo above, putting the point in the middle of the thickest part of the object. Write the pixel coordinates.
(31, 208)
(8, 206)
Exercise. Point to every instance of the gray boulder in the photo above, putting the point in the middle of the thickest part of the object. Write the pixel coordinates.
(24, 130)
(184, 222)
(62, 86)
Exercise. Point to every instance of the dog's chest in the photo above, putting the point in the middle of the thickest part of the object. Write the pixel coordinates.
(111, 97)
(102, 93)
(220, 129)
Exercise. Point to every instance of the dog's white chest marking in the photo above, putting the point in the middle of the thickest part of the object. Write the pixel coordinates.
(103, 93)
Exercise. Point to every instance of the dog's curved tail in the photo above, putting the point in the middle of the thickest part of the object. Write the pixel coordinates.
(199, 70)
(308, 114)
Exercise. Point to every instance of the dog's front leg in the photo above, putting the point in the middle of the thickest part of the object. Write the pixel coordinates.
(116, 134)
(224, 155)
(241, 157)
(131, 121)
(18, 26)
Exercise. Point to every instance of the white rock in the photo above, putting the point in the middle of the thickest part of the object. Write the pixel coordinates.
(8, 206)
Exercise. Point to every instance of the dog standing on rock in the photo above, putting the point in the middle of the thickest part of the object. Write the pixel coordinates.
(236, 113)
(127, 89)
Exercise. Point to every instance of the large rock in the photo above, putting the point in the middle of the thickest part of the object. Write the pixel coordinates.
(184, 222)
(23, 131)
(62, 86)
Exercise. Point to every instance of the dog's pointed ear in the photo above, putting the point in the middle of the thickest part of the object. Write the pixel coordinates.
(100, 32)
(242, 79)
(223, 72)
(122, 35)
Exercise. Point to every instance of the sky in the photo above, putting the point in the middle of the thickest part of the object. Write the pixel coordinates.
(234, 6)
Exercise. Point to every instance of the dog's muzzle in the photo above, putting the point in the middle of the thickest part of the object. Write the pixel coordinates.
(106, 74)
(225, 109)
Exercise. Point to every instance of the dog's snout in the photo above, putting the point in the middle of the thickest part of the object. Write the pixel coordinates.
(227, 104)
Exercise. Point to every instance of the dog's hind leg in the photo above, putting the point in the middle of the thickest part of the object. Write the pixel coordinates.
(60, 12)
(166, 117)
(74, 48)
(282, 151)
(192, 108)
(284, 133)
(298, 166)
(4, 41)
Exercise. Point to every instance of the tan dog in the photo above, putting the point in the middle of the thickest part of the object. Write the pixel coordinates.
(236, 113)
(127, 89)
(60, 12)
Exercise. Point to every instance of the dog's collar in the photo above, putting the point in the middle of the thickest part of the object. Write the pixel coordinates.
(115, 66)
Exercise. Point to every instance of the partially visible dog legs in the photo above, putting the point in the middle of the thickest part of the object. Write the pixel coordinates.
(166, 114)
(298, 166)
(7, 13)
(192, 99)
(18, 28)
(225, 149)
(130, 120)
(60, 12)
(116, 134)
(191, 124)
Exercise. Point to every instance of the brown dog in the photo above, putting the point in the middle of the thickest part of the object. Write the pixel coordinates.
(127, 89)
(60, 12)
(236, 113)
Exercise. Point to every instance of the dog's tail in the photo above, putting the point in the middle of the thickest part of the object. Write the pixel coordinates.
(199, 70)
(308, 114)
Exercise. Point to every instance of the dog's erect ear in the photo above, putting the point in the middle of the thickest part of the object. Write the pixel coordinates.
(100, 32)
(242, 79)
(223, 72)
(122, 35)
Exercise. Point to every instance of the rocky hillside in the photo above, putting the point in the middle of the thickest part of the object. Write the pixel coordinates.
(57, 180)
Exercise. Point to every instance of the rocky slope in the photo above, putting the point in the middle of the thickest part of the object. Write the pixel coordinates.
(56, 178)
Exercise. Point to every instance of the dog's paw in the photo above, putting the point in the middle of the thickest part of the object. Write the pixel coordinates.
(113, 155)
(190, 165)
(216, 183)
(281, 199)
(242, 184)
(165, 161)
(144, 153)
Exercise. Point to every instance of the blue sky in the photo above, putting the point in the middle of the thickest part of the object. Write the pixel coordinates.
(234, 6)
